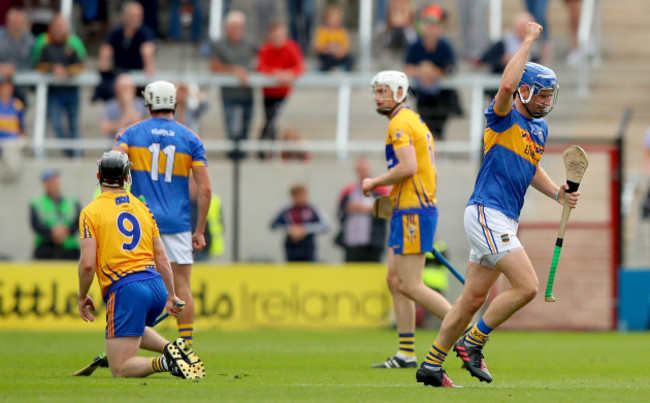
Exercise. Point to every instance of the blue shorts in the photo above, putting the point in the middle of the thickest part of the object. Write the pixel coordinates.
(412, 233)
(133, 306)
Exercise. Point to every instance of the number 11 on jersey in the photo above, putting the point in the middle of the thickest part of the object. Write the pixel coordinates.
(170, 153)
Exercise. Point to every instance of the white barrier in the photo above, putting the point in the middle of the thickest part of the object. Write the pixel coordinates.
(340, 145)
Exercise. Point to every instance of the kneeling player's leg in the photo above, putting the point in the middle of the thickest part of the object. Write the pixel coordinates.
(122, 353)
(153, 341)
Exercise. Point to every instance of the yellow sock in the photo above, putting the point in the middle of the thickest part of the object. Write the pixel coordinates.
(186, 331)
(406, 344)
(436, 356)
(159, 364)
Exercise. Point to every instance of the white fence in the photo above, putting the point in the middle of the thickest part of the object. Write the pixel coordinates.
(341, 145)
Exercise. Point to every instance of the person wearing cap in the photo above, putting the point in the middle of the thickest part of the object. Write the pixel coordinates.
(427, 61)
(55, 220)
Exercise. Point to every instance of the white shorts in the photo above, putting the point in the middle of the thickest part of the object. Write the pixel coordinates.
(490, 233)
(178, 247)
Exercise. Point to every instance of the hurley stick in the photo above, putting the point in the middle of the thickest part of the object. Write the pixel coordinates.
(575, 164)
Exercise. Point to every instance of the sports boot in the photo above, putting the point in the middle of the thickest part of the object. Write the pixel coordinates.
(473, 360)
(396, 362)
(434, 377)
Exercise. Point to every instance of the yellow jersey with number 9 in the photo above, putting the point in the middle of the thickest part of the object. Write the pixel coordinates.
(417, 194)
(124, 229)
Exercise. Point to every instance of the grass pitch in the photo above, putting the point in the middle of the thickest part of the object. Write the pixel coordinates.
(331, 366)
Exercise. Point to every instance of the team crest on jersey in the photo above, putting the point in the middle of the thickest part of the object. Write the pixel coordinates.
(398, 134)
(505, 238)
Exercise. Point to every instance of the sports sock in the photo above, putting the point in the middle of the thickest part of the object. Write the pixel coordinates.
(406, 344)
(186, 331)
(436, 356)
(159, 364)
(479, 334)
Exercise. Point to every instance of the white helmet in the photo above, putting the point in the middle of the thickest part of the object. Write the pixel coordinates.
(394, 80)
(160, 95)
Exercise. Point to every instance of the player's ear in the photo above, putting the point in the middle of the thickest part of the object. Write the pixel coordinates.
(98, 176)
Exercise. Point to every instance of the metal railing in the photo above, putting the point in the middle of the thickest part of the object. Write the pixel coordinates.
(341, 145)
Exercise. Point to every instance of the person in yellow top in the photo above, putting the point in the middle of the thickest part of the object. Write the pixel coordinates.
(412, 172)
(332, 42)
(120, 242)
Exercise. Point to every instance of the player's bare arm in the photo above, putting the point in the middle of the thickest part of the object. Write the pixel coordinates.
(514, 69)
(202, 178)
(543, 183)
(164, 268)
(405, 168)
(86, 274)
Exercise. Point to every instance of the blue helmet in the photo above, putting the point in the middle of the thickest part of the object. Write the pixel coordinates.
(538, 78)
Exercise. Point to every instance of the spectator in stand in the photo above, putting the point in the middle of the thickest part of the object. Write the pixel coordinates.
(427, 61)
(294, 149)
(183, 14)
(400, 31)
(332, 41)
(500, 53)
(234, 54)
(16, 43)
(7, 5)
(362, 235)
(300, 17)
(12, 126)
(190, 105)
(55, 220)
(63, 54)
(301, 221)
(126, 48)
(123, 110)
(281, 59)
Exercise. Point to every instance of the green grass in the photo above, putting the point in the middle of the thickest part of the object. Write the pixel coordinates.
(332, 366)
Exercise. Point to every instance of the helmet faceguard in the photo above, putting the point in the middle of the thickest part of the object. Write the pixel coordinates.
(394, 80)
(113, 169)
(538, 78)
(160, 95)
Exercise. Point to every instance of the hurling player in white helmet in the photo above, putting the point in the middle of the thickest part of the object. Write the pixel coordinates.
(514, 139)
(164, 153)
(412, 174)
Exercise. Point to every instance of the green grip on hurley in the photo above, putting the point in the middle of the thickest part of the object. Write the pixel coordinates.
(551, 275)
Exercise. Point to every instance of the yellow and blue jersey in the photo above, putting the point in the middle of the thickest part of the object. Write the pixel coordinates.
(11, 119)
(417, 194)
(124, 229)
(163, 153)
(513, 146)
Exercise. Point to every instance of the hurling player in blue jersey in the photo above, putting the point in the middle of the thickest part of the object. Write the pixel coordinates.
(514, 142)
(164, 153)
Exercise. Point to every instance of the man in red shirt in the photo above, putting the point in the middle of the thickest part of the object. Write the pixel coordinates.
(281, 59)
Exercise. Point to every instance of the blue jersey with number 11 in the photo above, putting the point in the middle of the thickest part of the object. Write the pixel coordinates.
(163, 153)
(124, 229)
